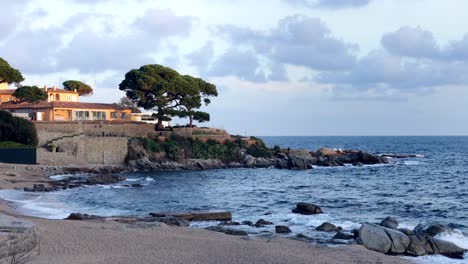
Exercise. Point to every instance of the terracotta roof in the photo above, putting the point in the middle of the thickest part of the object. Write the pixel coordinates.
(55, 104)
(58, 90)
(50, 90)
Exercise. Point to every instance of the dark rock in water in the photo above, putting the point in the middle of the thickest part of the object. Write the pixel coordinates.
(356, 233)
(301, 160)
(230, 223)
(307, 209)
(79, 217)
(39, 188)
(367, 158)
(226, 231)
(328, 227)
(282, 230)
(448, 249)
(343, 236)
(248, 223)
(233, 232)
(390, 222)
(262, 223)
(374, 238)
(104, 179)
(137, 185)
(170, 221)
(302, 237)
(434, 230)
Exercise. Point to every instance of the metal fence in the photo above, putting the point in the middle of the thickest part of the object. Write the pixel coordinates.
(18, 155)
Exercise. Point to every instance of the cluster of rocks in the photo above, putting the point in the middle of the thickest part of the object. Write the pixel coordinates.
(77, 181)
(388, 239)
(284, 159)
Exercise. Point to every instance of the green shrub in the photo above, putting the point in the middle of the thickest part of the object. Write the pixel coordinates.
(259, 150)
(173, 151)
(152, 145)
(17, 129)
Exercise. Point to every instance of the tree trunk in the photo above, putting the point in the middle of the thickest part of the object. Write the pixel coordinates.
(191, 121)
(159, 125)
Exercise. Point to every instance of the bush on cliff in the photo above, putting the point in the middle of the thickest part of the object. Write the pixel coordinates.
(259, 149)
(17, 129)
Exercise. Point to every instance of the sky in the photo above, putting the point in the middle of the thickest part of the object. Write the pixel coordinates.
(282, 67)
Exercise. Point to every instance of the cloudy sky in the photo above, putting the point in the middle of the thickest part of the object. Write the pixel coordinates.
(282, 67)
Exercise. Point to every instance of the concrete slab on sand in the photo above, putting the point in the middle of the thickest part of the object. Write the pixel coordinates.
(18, 237)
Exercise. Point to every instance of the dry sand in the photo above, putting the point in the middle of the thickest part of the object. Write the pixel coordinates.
(114, 243)
(109, 242)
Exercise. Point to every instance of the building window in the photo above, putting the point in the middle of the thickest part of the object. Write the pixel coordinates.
(57, 97)
(97, 116)
(114, 115)
(124, 115)
(69, 98)
(81, 115)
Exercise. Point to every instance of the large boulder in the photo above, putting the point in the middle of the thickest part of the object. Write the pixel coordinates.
(282, 230)
(307, 209)
(419, 246)
(374, 238)
(328, 227)
(434, 230)
(400, 241)
(262, 223)
(447, 249)
(301, 160)
(390, 222)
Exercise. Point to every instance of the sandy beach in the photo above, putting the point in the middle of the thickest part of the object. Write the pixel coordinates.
(106, 242)
(64, 241)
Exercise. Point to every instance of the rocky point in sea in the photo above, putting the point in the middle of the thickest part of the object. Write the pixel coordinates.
(291, 159)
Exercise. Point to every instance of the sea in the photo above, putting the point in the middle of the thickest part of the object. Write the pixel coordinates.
(431, 187)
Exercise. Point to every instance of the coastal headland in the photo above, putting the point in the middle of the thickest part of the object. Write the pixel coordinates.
(98, 153)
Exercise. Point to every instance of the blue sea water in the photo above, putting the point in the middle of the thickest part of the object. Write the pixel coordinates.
(432, 188)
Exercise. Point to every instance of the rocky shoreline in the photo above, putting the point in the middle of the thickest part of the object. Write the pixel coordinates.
(282, 159)
(384, 237)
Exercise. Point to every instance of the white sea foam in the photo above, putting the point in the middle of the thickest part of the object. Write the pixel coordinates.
(456, 237)
(149, 179)
(438, 259)
(133, 179)
(65, 176)
(44, 205)
(49, 205)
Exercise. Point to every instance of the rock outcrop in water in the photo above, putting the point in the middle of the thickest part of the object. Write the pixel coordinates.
(418, 242)
(236, 155)
(307, 209)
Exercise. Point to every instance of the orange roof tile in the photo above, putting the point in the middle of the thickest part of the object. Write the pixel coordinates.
(58, 104)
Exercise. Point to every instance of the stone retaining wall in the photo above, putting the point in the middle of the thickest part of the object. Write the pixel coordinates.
(85, 150)
(48, 131)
